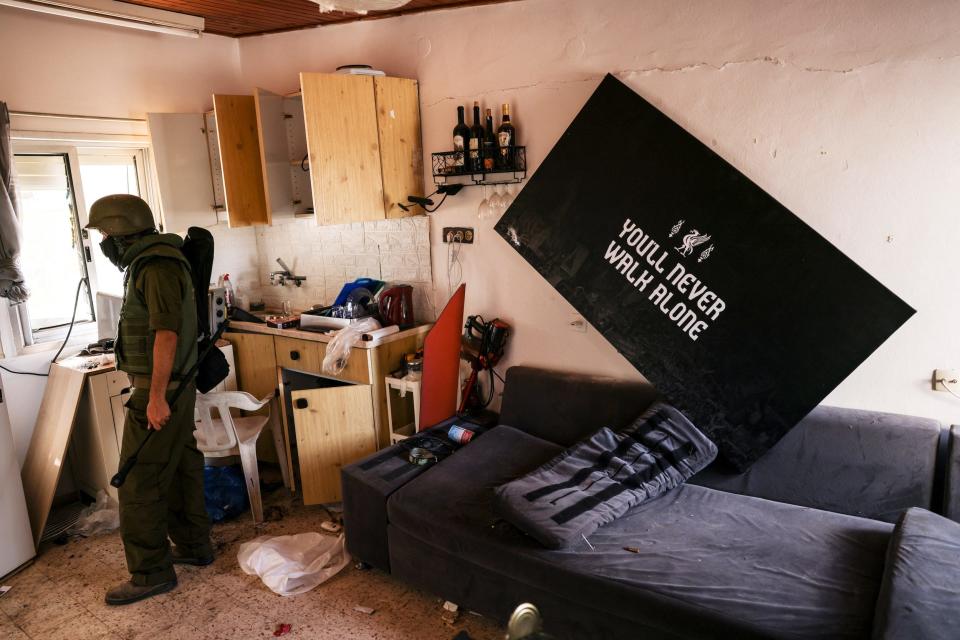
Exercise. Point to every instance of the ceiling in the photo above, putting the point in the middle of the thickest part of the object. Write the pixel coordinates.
(251, 17)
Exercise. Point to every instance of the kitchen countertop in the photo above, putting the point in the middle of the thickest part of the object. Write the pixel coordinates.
(254, 327)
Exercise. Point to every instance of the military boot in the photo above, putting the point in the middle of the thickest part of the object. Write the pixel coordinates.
(197, 559)
(128, 592)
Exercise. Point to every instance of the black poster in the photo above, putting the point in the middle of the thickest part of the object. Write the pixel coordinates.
(742, 315)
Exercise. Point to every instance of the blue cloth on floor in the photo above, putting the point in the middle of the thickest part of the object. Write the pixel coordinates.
(225, 491)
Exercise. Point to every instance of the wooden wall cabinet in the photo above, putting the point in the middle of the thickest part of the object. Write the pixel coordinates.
(185, 175)
(363, 142)
(283, 153)
(239, 142)
(210, 162)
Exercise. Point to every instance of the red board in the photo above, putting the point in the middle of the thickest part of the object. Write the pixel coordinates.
(441, 364)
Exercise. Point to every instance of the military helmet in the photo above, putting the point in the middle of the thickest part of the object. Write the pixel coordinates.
(120, 215)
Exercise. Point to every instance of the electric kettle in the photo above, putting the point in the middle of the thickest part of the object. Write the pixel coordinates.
(396, 306)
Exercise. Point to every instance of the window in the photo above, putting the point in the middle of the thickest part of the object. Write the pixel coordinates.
(56, 184)
(52, 254)
(104, 172)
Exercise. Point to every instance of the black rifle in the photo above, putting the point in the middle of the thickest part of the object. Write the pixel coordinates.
(121, 475)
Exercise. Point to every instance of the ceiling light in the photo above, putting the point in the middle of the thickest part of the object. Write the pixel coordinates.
(119, 14)
(359, 6)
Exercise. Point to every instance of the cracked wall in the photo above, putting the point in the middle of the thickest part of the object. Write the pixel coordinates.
(845, 112)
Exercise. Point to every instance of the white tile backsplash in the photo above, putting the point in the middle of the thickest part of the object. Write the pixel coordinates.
(391, 250)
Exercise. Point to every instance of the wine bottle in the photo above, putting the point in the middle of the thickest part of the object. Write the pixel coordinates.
(476, 139)
(461, 135)
(489, 147)
(506, 138)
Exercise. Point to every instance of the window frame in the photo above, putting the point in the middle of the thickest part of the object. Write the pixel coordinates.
(14, 324)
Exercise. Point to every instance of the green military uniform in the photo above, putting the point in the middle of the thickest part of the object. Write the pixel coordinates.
(163, 494)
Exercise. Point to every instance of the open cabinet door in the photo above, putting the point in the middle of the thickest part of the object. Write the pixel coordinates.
(401, 154)
(240, 159)
(183, 170)
(334, 427)
(344, 147)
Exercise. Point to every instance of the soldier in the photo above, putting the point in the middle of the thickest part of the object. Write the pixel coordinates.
(156, 345)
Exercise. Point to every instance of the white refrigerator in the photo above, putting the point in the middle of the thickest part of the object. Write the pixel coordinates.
(17, 545)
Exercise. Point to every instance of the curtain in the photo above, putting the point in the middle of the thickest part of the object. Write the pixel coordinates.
(11, 277)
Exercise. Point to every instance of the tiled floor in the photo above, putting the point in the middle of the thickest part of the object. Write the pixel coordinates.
(61, 597)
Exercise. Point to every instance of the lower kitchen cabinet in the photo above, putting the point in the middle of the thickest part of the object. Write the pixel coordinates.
(95, 445)
(333, 426)
(327, 420)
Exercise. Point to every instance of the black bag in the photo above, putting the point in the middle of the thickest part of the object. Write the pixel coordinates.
(213, 369)
(198, 249)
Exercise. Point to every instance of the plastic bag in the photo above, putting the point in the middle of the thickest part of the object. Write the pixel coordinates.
(338, 351)
(289, 565)
(100, 517)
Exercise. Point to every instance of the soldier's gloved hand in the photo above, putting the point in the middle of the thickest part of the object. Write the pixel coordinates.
(158, 412)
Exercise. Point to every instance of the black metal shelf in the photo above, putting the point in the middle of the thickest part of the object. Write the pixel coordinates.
(451, 167)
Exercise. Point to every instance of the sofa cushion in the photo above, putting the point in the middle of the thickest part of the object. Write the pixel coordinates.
(597, 480)
(565, 408)
(951, 498)
(782, 570)
(920, 593)
(863, 463)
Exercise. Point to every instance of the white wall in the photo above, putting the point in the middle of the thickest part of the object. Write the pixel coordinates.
(845, 112)
(57, 65)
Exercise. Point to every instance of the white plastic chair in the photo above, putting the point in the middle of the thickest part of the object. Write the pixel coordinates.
(229, 435)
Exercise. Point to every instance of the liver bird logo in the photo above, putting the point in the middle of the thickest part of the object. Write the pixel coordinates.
(691, 241)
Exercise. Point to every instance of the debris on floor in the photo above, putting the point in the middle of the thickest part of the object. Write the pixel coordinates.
(4, 589)
(451, 612)
(632, 549)
(282, 629)
(102, 516)
(273, 514)
(293, 564)
(331, 527)
(366, 610)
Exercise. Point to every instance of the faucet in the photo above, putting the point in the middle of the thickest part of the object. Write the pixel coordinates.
(280, 278)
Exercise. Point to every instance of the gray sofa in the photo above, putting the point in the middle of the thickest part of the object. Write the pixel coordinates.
(802, 545)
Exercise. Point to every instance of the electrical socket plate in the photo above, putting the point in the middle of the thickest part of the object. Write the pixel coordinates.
(950, 375)
(450, 232)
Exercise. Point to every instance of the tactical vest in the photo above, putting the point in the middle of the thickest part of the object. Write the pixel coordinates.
(134, 345)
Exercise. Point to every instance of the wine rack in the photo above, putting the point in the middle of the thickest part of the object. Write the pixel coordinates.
(454, 167)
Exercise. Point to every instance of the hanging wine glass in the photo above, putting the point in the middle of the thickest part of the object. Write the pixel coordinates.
(483, 211)
(495, 200)
(507, 197)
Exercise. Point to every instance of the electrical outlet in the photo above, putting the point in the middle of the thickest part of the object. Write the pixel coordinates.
(948, 376)
(577, 323)
(466, 234)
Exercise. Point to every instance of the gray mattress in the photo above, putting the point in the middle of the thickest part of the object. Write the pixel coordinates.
(772, 569)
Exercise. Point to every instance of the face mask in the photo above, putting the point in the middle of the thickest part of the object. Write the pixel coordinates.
(113, 249)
